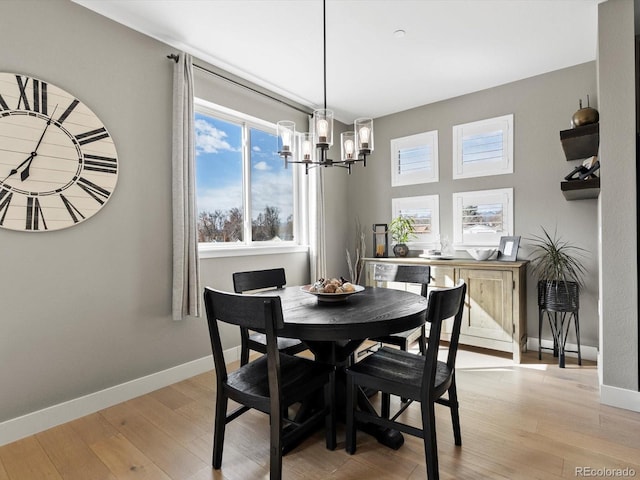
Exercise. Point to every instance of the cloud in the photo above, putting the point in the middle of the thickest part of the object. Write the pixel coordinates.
(256, 148)
(209, 139)
(262, 166)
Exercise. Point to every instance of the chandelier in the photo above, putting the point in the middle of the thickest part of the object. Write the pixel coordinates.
(311, 149)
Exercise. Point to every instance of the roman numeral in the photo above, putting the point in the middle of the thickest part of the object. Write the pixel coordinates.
(92, 136)
(3, 104)
(5, 200)
(99, 194)
(68, 111)
(100, 164)
(39, 98)
(71, 209)
(34, 215)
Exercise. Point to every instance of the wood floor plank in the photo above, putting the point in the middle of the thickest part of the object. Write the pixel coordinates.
(71, 456)
(26, 460)
(163, 450)
(125, 461)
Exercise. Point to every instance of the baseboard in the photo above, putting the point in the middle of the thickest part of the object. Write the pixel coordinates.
(38, 421)
(620, 397)
(588, 352)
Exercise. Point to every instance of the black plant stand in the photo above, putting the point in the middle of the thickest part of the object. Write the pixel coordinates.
(559, 301)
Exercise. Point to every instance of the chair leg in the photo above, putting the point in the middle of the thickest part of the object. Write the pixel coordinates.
(430, 444)
(218, 431)
(350, 440)
(385, 408)
(455, 413)
(275, 448)
(330, 404)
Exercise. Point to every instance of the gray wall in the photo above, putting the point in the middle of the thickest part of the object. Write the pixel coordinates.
(618, 213)
(542, 106)
(89, 307)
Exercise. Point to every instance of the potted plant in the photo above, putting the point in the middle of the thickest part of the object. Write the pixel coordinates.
(402, 230)
(557, 265)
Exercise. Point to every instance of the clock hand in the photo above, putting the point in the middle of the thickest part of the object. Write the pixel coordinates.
(15, 170)
(25, 173)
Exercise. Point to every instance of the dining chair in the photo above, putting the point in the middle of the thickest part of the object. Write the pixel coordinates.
(244, 282)
(272, 383)
(406, 274)
(421, 378)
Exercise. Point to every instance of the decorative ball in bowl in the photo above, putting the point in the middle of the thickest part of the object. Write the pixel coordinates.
(481, 253)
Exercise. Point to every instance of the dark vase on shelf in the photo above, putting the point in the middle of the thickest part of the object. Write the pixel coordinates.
(400, 250)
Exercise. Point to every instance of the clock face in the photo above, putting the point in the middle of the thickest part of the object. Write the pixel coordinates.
(58, 163)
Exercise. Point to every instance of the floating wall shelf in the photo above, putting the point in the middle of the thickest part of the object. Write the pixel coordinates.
(581, 142)
(581, 189)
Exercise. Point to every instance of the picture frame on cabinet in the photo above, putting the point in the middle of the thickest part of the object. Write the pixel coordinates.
(508, 249)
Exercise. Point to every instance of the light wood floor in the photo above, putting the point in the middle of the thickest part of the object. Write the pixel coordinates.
(529, 421)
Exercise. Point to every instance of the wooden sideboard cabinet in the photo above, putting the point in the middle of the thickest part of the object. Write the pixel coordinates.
(495, 306)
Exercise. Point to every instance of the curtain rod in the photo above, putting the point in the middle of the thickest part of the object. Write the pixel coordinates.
(175, 57)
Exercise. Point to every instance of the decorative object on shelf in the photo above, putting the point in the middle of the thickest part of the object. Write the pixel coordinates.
(585, 116)
(481, 253)
(356, 266)
(558, 267)
(402, 230)
(314, 146)
(508, 249)
(585, 170)
(59, 163)
(380, 240)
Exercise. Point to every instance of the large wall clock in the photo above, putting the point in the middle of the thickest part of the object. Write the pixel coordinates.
(58, 163)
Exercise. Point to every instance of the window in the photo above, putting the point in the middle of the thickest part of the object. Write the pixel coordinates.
(482, 217)
(483, 148)
(245, 196)
(414, 159)
(425, 212)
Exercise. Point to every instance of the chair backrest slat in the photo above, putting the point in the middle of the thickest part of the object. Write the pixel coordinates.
(443, 304)
(421, 274)
(258, 280)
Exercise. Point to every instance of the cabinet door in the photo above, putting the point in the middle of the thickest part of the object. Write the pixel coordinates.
(489, 304)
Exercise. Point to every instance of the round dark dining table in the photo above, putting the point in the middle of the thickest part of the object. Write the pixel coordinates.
(372, 312)
(334, 330)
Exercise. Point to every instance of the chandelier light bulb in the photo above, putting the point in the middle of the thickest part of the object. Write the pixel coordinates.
(286, 131)
(349, 148)
(306, 150)
(364, 137)
(286, 140)
(323, 130)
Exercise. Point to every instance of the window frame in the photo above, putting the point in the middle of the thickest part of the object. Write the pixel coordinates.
(248, 246)
(503, 166)
(423, 176)
(425, 240)
(498, 195)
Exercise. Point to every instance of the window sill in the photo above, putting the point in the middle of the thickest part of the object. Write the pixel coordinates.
(246, 251)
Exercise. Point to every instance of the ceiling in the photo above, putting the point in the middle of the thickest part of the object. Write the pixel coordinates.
(450, 47)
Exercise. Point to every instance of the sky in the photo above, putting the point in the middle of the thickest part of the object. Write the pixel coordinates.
(219, 168)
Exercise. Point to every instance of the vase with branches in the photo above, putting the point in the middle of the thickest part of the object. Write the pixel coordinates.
(356, 263)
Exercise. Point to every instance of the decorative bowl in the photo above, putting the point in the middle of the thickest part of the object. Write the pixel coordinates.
(331, 297)
(481, 253)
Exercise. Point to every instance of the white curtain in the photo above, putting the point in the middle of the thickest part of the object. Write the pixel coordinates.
(186, 278)
(318, 248)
